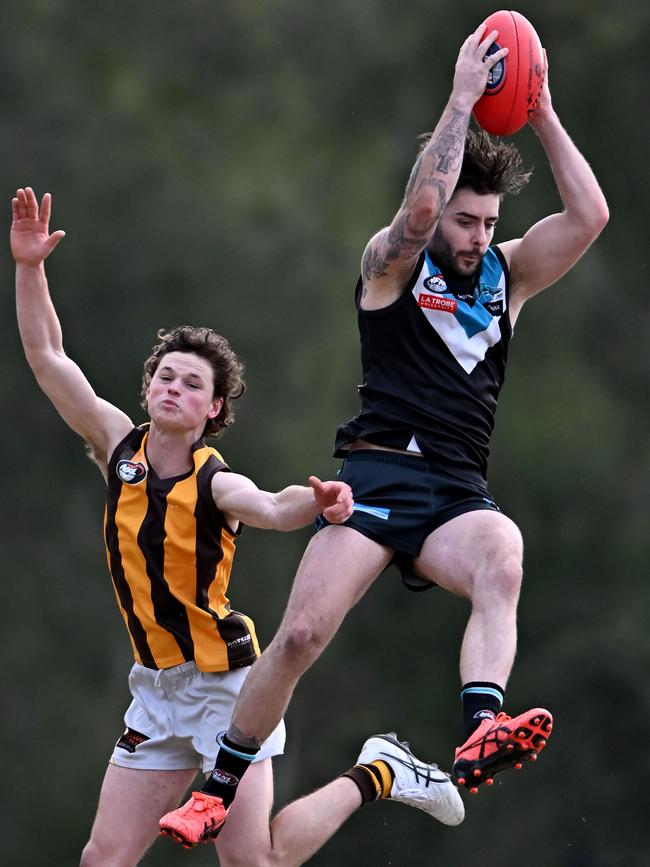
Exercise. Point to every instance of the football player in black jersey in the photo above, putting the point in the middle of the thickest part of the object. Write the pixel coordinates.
(436, 306)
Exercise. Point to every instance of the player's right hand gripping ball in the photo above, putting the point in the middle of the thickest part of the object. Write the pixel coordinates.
(514, 83)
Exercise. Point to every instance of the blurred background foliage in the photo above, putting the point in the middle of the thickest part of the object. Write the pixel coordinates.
(224, 163)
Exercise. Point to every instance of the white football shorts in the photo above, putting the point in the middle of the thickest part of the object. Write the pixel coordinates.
(175, 716)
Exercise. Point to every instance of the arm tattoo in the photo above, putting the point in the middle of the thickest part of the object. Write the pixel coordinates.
(373, 264)
(443, 152)
(413, 178)
(449, 145)
(407, 237)
(399, 240)
(238, 738)
(402, 240)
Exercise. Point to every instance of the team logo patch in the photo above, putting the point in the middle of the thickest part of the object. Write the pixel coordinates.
(131, 472)
(130, 740)
(437, 302)
(484, 714)
(435, 283)
(491, 297)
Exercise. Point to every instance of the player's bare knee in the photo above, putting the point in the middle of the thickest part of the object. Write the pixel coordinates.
(96, 856)
(508, 578)
(499, 579)
(299, 643)
(90, 857)
(503, 568)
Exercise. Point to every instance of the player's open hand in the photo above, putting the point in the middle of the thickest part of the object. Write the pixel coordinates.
(31, 241)
(333, 498)
(474, 64)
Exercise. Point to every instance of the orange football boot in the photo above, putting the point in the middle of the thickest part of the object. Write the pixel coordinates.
(501, 743)
(198, 821)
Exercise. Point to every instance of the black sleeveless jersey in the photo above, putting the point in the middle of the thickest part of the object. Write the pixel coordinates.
(433, 364)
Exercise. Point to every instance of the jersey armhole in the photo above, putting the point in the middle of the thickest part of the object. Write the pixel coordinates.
(406, 291)
(112, 459)
(506, 271)
(220, 467)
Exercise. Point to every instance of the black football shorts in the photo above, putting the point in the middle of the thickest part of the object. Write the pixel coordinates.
(399, 500)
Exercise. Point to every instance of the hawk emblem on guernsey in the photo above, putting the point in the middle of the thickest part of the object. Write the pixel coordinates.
(131, 472)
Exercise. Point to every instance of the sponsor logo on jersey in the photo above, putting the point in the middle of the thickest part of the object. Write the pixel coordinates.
(237, 642)
(131, 472)
(130, 740)
(490, 297)
(437, 302)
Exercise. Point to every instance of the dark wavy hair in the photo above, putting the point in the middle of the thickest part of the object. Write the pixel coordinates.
(227, 369)
(489, 165)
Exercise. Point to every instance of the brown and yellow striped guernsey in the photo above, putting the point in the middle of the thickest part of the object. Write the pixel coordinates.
(170, 553)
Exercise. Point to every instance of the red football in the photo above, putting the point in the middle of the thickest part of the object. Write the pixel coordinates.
(514, 83)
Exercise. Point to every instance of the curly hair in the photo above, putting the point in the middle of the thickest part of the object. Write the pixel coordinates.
(489, 165)
(227, 369)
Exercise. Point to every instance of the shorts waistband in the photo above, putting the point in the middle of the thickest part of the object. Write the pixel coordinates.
(399, 459)
(387, 457)
(166, 675)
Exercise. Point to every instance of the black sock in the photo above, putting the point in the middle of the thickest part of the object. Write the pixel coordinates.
(481, 700)
(232, 762)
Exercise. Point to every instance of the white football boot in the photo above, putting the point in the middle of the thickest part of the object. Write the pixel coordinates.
(416, 783)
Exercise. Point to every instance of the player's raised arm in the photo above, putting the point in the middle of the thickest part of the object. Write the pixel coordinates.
(552, 246)
(391, 254)
(60, 378)
(295, 506)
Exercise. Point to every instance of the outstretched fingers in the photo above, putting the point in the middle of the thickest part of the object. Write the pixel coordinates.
(31, 241)
(24, 206)
(484, 46)
(54, 239)
(46, 209)
(31, 203)
(475, 62)
(475, 37)
(316, 485)
(19, 205)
